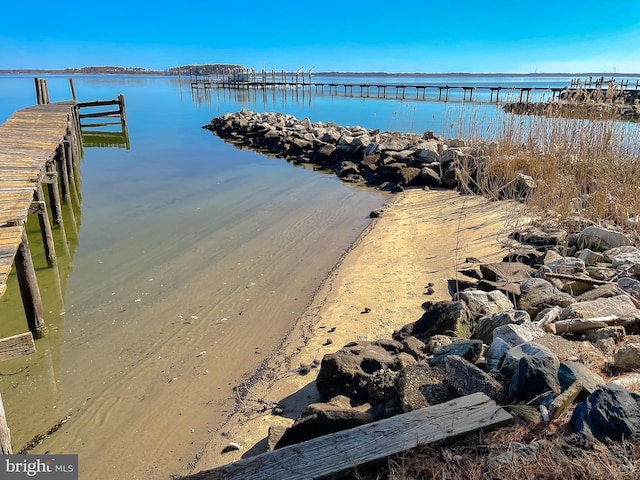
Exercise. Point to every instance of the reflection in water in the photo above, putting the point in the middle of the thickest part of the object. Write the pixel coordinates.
(96, 138)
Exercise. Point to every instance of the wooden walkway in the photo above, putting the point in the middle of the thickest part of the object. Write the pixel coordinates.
(402, 91)
(38, 145)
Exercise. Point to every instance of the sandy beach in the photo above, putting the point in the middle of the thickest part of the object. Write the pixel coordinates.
(419, 239)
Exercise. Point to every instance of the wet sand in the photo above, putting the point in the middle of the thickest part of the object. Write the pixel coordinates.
(145, 361)
(421, 238)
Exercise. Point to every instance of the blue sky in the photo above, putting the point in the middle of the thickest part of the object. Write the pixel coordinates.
(393, 36)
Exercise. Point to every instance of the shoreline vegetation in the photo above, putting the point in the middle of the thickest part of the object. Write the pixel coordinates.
(549, 331)
(225, 68)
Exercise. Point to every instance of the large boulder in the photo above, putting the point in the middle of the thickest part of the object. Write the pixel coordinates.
(528, 349)
(628, 357)
(347, 371)
(320, 419)
(611, 413)
(468, 349)
(540, 235)
(538, 294)
(421, 385)
(504, 276)
(600, 239)
(488, 323)
(620, 306)
(532, 377)
(485, 303)
(445, 317)
(465, 378)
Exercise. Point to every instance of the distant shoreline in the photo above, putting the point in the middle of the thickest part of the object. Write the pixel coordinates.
(79, 71)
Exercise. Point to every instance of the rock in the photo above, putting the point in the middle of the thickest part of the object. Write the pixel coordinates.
(510, 271)
(570, 372)
(485, 303)
(630, 285)
(415, 347)
(620, 305)
(468, 349)
(429, 177)
(610, 254)
(514, 334)
(320, 419)
(601, 291)
(528, 349)
(346, 371)
(346, 168)
(538, 294)
(274, 435)
(626, 259)
(628, 357)
(504, 276)
(533, 376)
(231, 447)
(518, 453)
(428, 155)
(524, 185)
(495, 354)
(488, 323)
(600, 239)
(421, 385)
(567, 266)
(445, 317)
(542, 236)
(381, 386)
(438, 341)
(465, 378)
(589, 257)
(611, 413)
(616, 333)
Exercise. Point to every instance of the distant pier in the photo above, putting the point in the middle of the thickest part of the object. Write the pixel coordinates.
(250, 79)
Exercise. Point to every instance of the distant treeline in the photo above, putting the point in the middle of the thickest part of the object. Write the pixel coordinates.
(205, 69)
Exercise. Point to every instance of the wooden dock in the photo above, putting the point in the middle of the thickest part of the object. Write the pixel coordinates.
(40, 146)
(250, 79)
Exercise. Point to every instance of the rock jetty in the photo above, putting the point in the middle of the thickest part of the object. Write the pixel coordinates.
(554, 325)
(386, 160)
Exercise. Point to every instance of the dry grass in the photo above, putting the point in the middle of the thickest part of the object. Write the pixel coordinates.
(499, 455)
(584, 167)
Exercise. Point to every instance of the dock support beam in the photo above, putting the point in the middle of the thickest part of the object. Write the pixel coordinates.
(45, 226)
(5, 436)
(29, 289)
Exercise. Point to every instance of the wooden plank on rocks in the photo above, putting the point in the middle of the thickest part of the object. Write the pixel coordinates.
(16, 346)
(338, 452)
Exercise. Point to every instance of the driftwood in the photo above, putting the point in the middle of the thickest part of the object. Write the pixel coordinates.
(575, 278)
(328, 455)
(551, 316)
(577, 325)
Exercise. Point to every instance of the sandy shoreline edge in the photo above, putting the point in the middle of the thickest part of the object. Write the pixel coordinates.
(421, 238)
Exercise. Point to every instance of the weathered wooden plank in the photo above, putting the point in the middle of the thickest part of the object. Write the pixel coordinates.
(5, 437)
(331, 454)
(16, 346)
(97, 103)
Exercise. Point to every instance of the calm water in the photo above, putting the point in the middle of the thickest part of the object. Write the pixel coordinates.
(183, 228)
